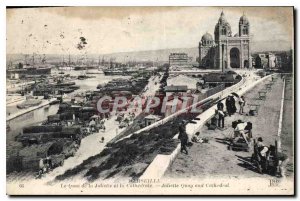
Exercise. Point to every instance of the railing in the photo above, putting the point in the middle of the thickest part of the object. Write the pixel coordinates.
(215, 90)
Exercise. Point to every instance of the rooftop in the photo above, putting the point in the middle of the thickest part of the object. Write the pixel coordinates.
(216, 77)
(174, 88)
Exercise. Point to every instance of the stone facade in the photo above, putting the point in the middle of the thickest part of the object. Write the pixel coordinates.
(234, 51)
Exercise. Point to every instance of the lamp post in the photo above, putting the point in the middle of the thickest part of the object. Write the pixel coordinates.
(222, 78)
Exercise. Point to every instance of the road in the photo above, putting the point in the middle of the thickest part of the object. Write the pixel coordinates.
(213, 159)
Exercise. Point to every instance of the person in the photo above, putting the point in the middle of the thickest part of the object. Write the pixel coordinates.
(260, 143)
(242, 103)
(228, 106)
(49, 162)
(41, 165)
(243, 129)
(220, 106)
(183, 137)
(221, 117)
(232, 103)
(262, 149)
(282, 160)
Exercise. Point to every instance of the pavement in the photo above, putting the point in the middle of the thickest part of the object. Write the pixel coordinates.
(151, 86)
(213, 159)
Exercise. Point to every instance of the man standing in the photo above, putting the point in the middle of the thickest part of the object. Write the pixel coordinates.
(228, 106)
(220, 116)
(220, 106)
(233, 107)
(183, 137)
(242, 103)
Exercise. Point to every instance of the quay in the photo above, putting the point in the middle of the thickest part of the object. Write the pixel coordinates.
(27, 110)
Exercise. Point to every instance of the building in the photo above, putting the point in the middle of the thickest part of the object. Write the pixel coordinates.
(150, 119)
(234, 51)
(266, 60)
(178, 90)
(271, 60)
(179, 59)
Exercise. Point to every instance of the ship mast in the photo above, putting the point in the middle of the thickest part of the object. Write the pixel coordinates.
(33, 59)
(103, 61)
(25, 59)
(69, 59)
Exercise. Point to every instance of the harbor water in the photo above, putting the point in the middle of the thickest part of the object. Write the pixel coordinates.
(37, 116)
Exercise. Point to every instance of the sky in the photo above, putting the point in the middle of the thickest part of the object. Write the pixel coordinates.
(125, 29)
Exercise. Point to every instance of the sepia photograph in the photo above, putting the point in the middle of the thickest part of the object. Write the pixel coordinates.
(141, 100)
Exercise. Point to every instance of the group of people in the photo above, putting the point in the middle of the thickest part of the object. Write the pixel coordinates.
(45, 165)
(230, 105)
(264, 154)
(241, 130)
(230, 109)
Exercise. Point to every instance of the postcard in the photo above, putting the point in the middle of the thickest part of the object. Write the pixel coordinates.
(150, 101)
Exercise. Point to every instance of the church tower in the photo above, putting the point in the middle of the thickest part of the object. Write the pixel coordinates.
(222, 32)
(226, 51)
(244, 26)
(222, 28)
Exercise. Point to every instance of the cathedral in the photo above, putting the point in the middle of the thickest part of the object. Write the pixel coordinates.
(234, 51)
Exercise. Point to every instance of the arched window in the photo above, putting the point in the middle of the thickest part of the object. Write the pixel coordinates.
(223, 31)
(245, 31)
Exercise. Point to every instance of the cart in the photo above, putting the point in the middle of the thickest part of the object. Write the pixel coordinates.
(262, 95)
(239, 143)
(269, 86)
(253, 109)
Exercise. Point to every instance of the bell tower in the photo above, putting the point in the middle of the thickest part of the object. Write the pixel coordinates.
(244, 26)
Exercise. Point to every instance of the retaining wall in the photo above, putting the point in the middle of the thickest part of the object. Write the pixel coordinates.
(24, 111)
(220, 95)
(161, 163)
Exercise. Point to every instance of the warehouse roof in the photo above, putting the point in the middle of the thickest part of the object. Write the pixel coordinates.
(178, 88)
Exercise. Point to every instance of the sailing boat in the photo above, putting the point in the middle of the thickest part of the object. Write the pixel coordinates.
(66, 66)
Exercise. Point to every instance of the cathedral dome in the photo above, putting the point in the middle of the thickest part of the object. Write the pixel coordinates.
(244, 19)
(207, 37)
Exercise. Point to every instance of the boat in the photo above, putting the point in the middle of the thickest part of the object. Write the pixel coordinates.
(65, 90)
(24, 70)
(30, 70)
(54, 101)
(120, 71)
(29, 103)
(81, 67)
(64, 84)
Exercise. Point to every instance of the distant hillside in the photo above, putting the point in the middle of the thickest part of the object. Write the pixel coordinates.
(152, 55)
(156, 55)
